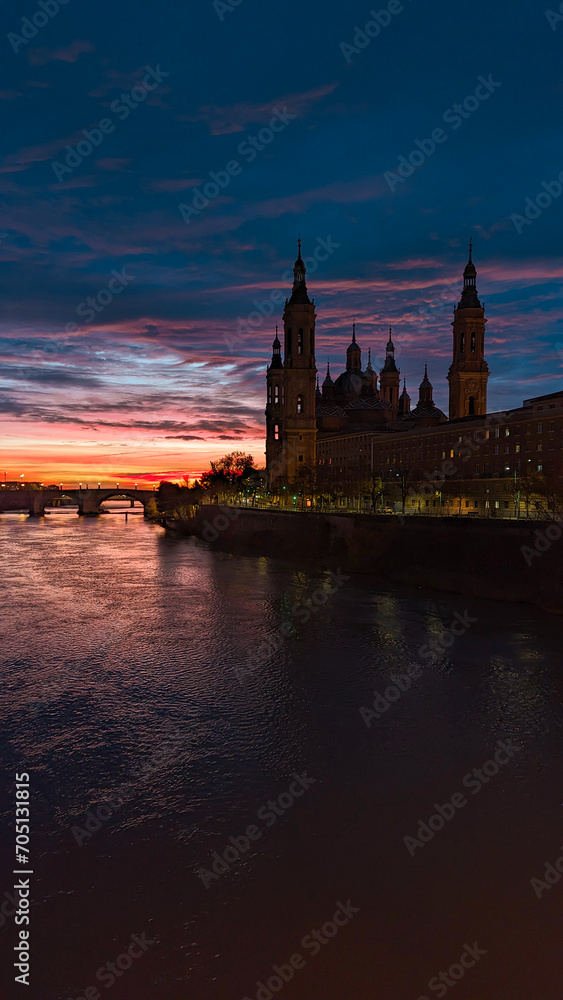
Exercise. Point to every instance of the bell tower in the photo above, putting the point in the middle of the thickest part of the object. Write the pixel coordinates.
(469, 371)
(294, 421)
(275, 386)
(390, 376)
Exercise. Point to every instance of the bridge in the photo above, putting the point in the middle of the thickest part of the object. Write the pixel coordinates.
(88, 501)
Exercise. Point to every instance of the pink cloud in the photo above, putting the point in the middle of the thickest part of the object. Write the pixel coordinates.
(39, 57)
(172, 184)
(235, 118)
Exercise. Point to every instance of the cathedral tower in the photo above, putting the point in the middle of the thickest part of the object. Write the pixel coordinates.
(291, 442)
(390, 375)
(469, 371)
(276, 393)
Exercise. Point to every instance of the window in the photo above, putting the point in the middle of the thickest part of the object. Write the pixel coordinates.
(517, 448)
(540, 468)
(300, 341)
(473, 343)
(507, 449)
(540, 428)
(497, 432)
(507, 432)
(269, 394)
(276, 432)
(451, 453)
(300, 458)
(497, 504)
(288, 340)
(276, 395)
(552, 425)
(477, 470)
(300, 404)
(471, 407)
(528, 429)
(540, 446)
(462, 343)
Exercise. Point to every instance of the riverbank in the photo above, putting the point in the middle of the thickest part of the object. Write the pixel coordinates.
(499, 560)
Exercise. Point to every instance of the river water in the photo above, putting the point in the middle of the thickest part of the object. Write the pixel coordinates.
(160, 695)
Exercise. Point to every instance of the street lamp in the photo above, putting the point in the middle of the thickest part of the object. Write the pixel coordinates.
(80, 486)
(98, 486)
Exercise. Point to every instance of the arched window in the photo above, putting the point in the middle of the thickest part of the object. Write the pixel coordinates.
(300, 341)
(269, 394)
(473, 343)
(462, 343)
(276, 432)
(300, 404)
(288, 341)
(471, 406)
(276, 395)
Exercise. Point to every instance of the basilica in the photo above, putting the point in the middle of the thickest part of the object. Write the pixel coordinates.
(308, 424)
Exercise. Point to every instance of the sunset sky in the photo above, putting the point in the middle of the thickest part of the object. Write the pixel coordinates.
(169, 373)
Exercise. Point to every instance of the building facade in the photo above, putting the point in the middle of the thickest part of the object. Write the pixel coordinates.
(359, 425)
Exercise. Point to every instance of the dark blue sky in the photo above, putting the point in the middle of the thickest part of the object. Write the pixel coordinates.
(167, 370)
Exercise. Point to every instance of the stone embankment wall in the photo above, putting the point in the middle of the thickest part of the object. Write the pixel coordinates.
(501, 560)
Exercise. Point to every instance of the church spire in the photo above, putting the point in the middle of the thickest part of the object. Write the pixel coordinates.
(354, 354)
(390, 365)
(299, 292)
(469, 297)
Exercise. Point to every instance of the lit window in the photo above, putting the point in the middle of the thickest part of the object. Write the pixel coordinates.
(300, 342)
(276, 432)
(540, 446)
(300, 404)
(473, 343)
(497, 432)
(517, 448)
(540, 468)
(507, 431)
(276, 394)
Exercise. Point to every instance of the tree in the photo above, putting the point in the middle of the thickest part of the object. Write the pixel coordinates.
(542, 492)
(228, 474)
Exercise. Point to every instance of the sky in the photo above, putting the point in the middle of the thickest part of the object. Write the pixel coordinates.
(138, 169)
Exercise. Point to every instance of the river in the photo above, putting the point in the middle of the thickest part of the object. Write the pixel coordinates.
(167, 700)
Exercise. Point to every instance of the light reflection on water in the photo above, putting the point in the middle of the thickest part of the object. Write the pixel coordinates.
(120, 649)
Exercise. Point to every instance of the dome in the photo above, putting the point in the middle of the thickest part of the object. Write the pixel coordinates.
(350, 383)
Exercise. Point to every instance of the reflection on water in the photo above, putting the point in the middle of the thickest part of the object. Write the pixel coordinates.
(180, 689)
